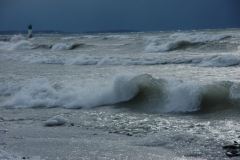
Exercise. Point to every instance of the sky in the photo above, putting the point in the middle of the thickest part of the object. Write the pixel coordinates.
(102, 15)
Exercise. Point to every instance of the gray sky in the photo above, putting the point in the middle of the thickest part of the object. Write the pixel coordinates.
(99, 15)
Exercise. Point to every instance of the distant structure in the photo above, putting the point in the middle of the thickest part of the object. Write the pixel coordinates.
(30, 31)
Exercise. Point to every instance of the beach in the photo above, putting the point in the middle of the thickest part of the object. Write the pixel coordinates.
(136, 95)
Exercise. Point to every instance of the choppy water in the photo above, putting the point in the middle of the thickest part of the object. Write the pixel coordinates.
(157, 85)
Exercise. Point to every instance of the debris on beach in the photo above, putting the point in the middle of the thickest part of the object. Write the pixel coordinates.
(56, 121)
(232, 150)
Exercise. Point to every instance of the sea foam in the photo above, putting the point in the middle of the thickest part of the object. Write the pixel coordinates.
(42, 93)
(16, 38)
(19, 45)
(121, 37)
(68, 38)
(153, 47)
(5, 155)
(60, 47)
(155, 95)
(152, 38)
(199, 37)
(219, 61)
(183, 97)
(22, 45)
(178, 40)
(56, 121)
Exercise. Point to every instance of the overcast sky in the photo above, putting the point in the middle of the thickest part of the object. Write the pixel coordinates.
(99, 15)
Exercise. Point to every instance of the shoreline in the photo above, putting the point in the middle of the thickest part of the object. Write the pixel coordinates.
(23, 134)
(34, 141)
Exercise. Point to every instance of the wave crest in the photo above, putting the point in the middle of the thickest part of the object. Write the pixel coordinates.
(153, 47)
(183, 40)
(139, 93)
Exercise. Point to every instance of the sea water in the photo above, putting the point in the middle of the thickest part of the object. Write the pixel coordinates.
(173, 93)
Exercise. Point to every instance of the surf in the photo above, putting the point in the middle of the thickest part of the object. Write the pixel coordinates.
(140, 93)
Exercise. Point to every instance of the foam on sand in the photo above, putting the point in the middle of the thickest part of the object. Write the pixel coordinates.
(56, 121)
(76, 143)
(6, 155)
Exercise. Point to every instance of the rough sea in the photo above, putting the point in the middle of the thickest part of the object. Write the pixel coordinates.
(141, 95)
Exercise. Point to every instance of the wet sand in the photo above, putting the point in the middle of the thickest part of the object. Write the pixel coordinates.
(72, 142)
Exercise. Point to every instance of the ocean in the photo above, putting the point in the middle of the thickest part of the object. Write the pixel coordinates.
(140, 95)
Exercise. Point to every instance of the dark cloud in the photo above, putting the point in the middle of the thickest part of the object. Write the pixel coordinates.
(145, 15)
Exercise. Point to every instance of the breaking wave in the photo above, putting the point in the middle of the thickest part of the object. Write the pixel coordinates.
(153, 47)
(42, 93)
(17, 38)
(63, 47)
(139, 93)
(26, 45)
(121, 37)
(218, 61)
(221, 60)
(182, 40)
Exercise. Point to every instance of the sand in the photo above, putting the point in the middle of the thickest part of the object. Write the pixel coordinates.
(72, 142)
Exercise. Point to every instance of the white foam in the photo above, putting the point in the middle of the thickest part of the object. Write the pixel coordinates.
(60, 47)
(93, 95)
(34, 93)
(182, 142)
(42, 58)
(199, 37)
(16, 38)
(236, 35)
(235, 91)
(56, 121)
(176, 39)
(153, 47)
(22, 45)
(41, 93)
(37, 57)
(90, 36)
(5, 45)
(19, 45)
(7, 89)
(121, 37)
(85, 60)
(82, 60)
(178, 96)
(4, 155)
(182, 97)
(68, 38)
(152, 38)
(219, 61)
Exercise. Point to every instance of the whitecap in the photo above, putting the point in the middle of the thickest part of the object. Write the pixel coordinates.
(16, 38)
(60, 47)
(22, 45)
(220, 61)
